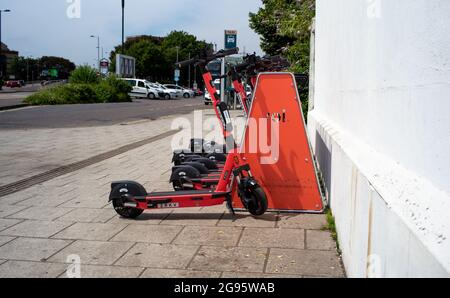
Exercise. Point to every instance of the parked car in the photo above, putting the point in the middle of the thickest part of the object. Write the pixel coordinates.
(186, 93)
(142, 88)
(13, 84)
(208, 99)
(163, 92)
(168, 93)
(22, 83)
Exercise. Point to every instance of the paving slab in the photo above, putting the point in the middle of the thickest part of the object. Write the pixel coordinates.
(147, 218)
(87, 215)
(174, 273)
(7, 210)
(6, 204)
(93, 252)
(31, 249)
(273, 238)
(96, 271)
(246, 220)
(45, 200)
(256, 275)
(83, 202)
(36, 229)
(41, 213)
(302, 221)
(90, 231)
(25, 269)
(234, 259)
(211, 236)
(192, 219)
(6, 223)
(148, 234)
(215, 209)
(6, 239)
(320, 240)
(304, 262)
(163, 256)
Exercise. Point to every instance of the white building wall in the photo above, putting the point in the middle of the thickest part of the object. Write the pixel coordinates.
(380, 128)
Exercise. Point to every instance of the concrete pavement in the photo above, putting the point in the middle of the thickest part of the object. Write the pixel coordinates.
(43, 225)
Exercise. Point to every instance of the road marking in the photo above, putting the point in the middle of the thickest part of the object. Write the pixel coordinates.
(64, 170)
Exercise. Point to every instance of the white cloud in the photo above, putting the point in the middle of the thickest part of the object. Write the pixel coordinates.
(42, 27)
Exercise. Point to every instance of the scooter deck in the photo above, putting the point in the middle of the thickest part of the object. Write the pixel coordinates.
(187, 193)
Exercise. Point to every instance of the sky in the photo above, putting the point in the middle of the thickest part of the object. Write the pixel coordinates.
(63, 27)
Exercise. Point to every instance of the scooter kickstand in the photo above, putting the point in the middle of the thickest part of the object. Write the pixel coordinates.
(230, 205)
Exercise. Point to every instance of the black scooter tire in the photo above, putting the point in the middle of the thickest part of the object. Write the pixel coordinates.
(125, 212)
(260, 196)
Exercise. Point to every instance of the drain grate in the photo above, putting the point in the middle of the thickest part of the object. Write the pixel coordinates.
(64, 170)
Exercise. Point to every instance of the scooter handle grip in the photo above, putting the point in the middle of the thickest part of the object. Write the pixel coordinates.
(186, 63)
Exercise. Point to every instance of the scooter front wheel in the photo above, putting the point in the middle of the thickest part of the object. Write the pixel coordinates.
(258, 205)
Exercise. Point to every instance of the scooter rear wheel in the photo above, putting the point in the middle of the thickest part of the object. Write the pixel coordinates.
(117, 201)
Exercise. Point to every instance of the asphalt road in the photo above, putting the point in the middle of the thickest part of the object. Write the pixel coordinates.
(8, 99)
(95, 114)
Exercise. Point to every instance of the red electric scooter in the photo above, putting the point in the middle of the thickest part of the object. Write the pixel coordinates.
(130, 199)
(193, 172)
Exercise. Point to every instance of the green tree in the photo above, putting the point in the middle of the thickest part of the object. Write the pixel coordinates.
(284, 27)
(64, 66)
(156, 56)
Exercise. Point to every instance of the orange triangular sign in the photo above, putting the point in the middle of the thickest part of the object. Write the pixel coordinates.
(276, 146)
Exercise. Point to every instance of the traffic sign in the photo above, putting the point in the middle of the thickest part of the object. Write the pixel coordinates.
(177, 75)
(104, 66)
(230, 39)
(53, 73)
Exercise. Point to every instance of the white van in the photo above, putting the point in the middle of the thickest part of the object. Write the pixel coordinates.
(142, 89)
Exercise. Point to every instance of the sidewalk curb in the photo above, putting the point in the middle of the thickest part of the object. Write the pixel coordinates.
(14, 107)
(20, 91)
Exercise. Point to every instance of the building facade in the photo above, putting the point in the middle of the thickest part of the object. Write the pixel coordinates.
(379, 124)
(9, 57)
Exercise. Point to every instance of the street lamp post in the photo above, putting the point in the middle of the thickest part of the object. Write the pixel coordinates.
(1, 60)
(98, 50)
(177, 69)
(189, 75)
(123, 24)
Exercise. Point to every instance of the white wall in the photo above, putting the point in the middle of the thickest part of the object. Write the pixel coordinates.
(381, 130)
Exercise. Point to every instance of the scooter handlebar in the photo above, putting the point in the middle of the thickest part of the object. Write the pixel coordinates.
(224, 53)
(219, 54)
(187, 63)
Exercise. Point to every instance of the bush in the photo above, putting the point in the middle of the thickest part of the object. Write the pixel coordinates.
(110, 89)
(45, 97)
(120, 85)
(78, 93)
(84, 75)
